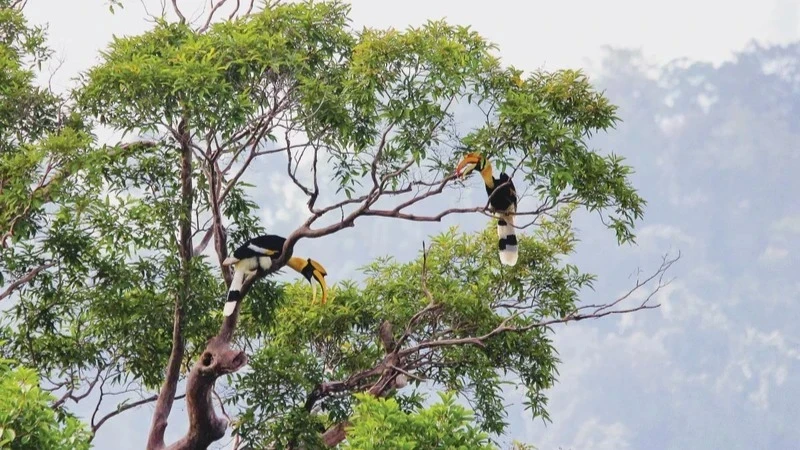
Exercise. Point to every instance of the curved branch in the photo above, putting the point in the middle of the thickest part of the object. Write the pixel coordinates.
(24, 280)
(124, 407)
(211, 15)
(178, 11)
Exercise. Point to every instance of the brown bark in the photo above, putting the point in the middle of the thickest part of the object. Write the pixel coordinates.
(219, 358)
(205, 426)
(166, 396)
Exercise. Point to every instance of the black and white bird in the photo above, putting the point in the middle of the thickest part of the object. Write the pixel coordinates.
(502, 199)
(258, 255)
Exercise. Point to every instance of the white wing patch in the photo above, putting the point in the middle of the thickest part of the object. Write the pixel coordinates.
(260, 250)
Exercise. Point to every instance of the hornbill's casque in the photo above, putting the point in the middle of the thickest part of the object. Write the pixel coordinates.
(502, 199)
(259, 254)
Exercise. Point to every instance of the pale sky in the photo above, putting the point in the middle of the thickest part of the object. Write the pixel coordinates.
(531, 34)
(600, 361)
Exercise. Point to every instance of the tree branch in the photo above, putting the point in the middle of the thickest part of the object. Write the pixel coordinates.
(211, 15)
(235, 10)
(166, 397)
(398, 362)
(121, 408)
(178, 11)
(24, 279)
(43, 184)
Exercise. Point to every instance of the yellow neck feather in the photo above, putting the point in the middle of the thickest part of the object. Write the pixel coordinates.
(486, 174)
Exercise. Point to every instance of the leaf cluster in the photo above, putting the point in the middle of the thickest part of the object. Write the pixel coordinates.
(380, 424)
(26, 420)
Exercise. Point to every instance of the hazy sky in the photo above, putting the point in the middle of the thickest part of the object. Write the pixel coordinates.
(601, 361)
(531, 34)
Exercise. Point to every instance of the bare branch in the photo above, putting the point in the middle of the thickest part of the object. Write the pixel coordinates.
(147, 12)
(665, 266)
(403, 361)
(24, 279)
(378, 154)
(76, 398)
(122, 407)
(53, 72)
(431, 306)
(407, 373)
(289, 171)
(211, 15)
(315, 194)
(602, 311)
(200, 248)
(235, 10)
(178, 11)
(265, 125)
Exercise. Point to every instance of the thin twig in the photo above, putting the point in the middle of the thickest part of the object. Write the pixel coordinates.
(211, 15)
(235, 10)
(122, 407)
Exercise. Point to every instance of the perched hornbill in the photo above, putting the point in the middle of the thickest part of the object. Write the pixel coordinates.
(502, 199)
(258, 254)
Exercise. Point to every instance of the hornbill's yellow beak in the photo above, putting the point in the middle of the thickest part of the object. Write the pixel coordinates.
(467, 165)
(310, 268)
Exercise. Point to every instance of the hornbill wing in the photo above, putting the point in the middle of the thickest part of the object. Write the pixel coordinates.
(511, 189)
(255, 254)
(266, 245)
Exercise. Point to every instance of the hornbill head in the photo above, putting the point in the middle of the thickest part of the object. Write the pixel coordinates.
(470, 162)
(310, 268)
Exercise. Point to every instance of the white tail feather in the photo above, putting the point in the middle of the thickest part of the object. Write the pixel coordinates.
(508, 256)
(229, 308)
(236, 285)
(508, 228)
(238, 280)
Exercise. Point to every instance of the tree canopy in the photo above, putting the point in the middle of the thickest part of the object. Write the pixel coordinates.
(111, 253)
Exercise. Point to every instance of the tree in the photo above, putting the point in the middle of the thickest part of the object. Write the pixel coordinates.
(364, 124)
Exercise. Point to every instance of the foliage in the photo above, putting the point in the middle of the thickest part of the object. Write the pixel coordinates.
(26, 420)
(381, 424)
(300, 63)
(305, 347)
(92, 262)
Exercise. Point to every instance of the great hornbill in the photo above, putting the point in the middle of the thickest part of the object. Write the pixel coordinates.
(502, 199)
(259, 254)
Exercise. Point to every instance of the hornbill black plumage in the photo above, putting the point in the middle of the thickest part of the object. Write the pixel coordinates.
(259, 254)
(502, 200)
